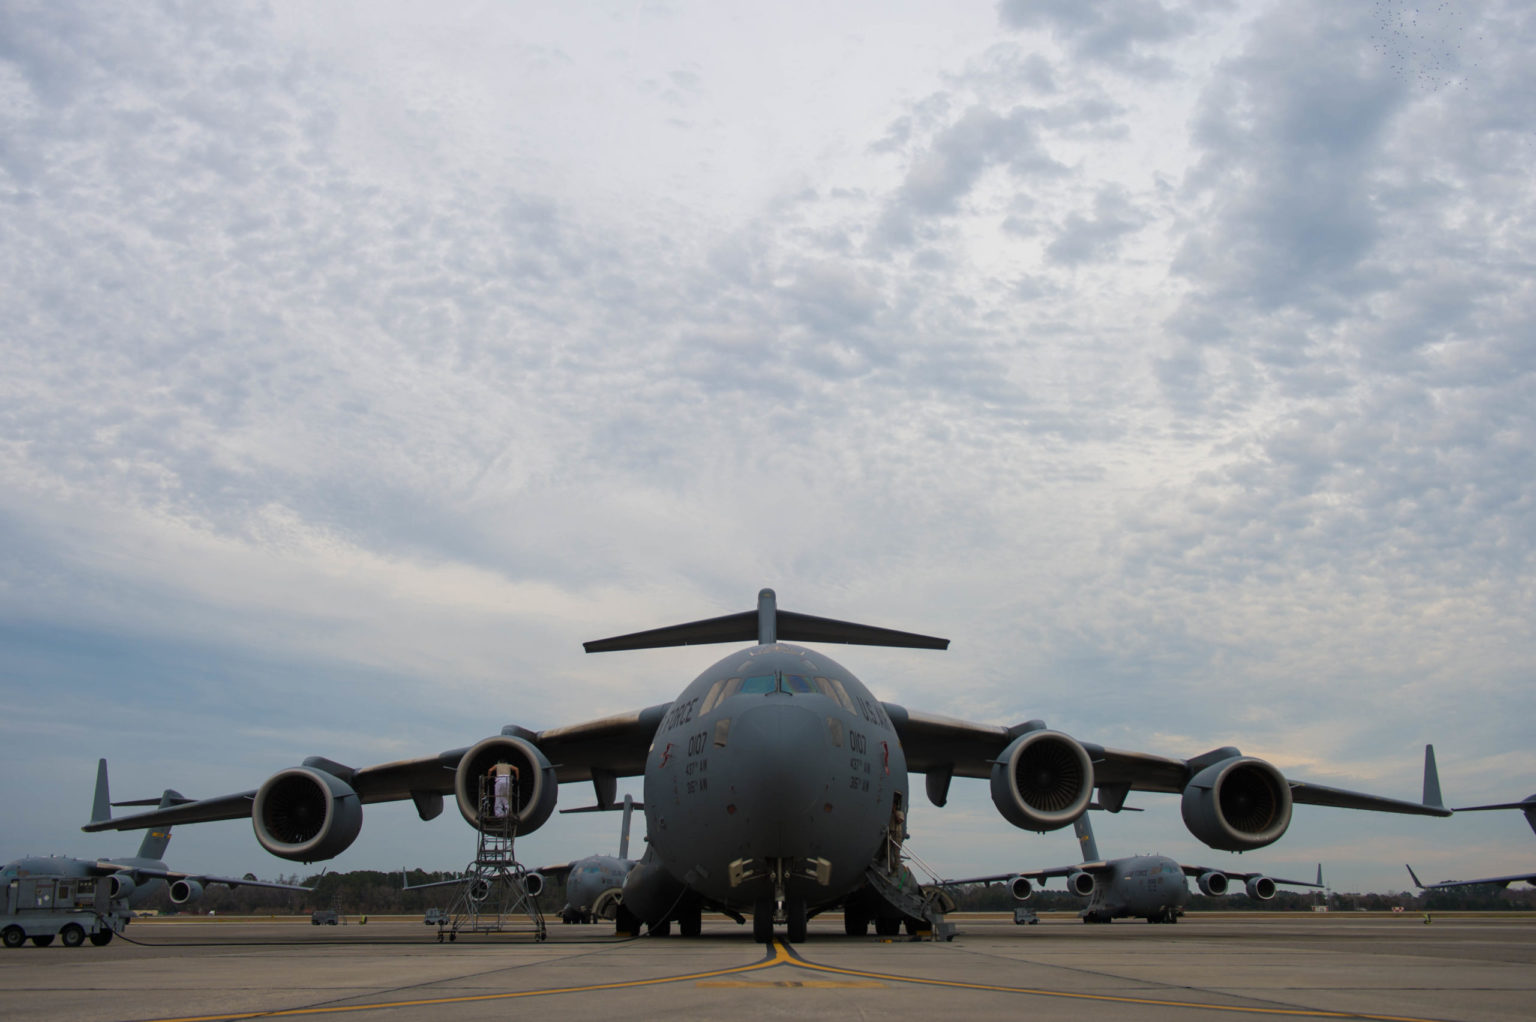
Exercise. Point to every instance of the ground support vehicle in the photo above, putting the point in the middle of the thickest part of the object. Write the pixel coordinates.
(40, 908)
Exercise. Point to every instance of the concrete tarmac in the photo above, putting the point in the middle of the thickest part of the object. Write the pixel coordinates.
(1216, 966)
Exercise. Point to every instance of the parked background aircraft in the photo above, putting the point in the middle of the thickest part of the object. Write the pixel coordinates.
(1527, 806)
(776, 784)
(1151, 887)
(140, 877)
(594, 885)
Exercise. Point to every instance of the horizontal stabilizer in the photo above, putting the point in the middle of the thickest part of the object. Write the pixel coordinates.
(765, 625)
(617, 807)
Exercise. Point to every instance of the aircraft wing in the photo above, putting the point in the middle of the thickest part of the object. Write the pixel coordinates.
(1039, 876)
(615, 746)
(1243, 878)
(103, 867)
(559, 870)
(1529, 878)
(934, 743)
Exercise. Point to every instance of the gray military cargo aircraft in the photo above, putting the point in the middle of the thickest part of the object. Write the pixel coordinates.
(1527, 806)
(594, 885)
(775, 784)
(1151, 887)
(135, 878)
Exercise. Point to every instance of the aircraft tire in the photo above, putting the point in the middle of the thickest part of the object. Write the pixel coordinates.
(762, 922)
(101, 938)
(888, 926)
(661, 929)
(42, 939)
(795, 920)
(72, 935)
(855, 924)
(13, 936)
(691, 922)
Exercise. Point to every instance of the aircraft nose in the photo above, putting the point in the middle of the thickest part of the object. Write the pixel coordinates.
(781, 776)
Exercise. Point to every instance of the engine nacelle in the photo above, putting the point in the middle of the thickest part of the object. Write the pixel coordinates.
(306, 814)
(535, 781)
(1021, 888)
(1080, 883)
(185, 891)
(1042, 781)
(1212, 883)
(1261, 888)
(533, 883)
(120, 885)
(1238, 804)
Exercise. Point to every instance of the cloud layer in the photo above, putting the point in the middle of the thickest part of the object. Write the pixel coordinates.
(1174, 359)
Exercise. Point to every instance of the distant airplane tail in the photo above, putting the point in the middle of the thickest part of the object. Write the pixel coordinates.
(101, 806)
(1416, 881)
(156, 838)
(629, 809)
(1084, 831)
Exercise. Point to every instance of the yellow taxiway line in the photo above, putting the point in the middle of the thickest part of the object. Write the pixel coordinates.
(780, 954)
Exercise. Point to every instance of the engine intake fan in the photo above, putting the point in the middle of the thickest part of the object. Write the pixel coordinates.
(1042, 781)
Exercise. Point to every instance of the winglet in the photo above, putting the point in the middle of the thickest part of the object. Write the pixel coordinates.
(1431, 780)
(101, 808)
(1416, 881)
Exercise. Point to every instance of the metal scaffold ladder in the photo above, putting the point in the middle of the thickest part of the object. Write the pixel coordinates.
(496, 894)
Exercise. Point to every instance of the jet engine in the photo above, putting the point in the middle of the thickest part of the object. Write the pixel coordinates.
(1021, 888)
(306, 814)
(120, 885)
(1042, 781)
(1261, 888)
(536, 784)
(1212, 883)
(1080, 883)
(533, 883)
(184, 891)
(1238, 804)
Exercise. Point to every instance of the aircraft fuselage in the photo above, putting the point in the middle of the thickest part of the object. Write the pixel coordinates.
(774, 774)
(1142, 886)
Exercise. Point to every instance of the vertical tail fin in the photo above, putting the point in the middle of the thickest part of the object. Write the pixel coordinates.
(1084, 831)
(1432, 780)
(101, 806)
(629, 808)
(156, 838)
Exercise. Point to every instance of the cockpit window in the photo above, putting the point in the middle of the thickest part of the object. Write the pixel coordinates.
(798, 684)
(759, 684)
(713, 697)
(838, 692)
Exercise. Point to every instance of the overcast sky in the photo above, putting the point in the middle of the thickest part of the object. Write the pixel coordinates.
(1177, 361)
